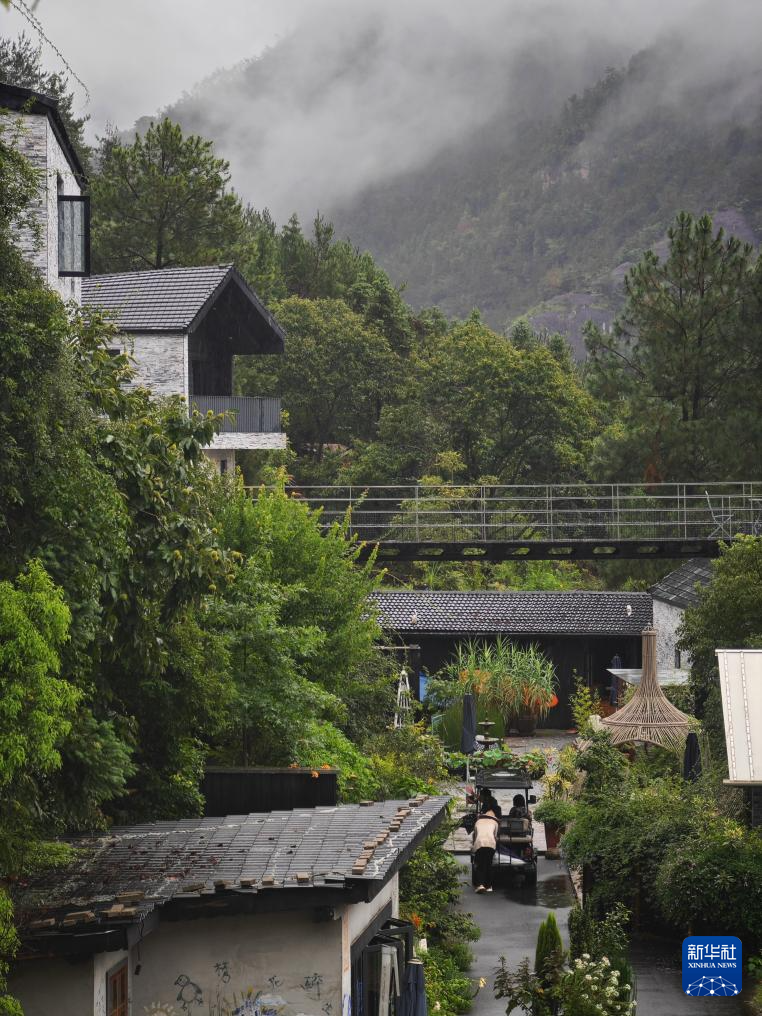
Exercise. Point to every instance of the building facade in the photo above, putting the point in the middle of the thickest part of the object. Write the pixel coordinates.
(581, 632)
(291, 913)
(59, 243)
(671, 596)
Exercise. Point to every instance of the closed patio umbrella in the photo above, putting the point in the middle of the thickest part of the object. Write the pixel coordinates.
(468, 730)
(692, 758)
(413, 1001)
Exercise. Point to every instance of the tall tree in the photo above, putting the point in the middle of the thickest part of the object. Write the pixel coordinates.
(516, 414)
(336, 374)
(683, 361)
(162, 201)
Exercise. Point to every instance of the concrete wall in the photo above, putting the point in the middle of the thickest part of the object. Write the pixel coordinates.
(667, 620)
(56, 986)
(36, 140)
(161, 362)
(251, 965)
(287, 964)
(218, 455)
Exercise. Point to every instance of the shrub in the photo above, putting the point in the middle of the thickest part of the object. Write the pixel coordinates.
(555, 812)
(583, 704)
(549, 946)
(406, 761)
(323, 744)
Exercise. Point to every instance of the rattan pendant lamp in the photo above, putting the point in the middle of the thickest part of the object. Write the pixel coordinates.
(649, 716)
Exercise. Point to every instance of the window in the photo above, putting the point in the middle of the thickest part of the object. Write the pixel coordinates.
(73, 235)
(116, 991)
(223, 466)
(677, 659)
(379, 964)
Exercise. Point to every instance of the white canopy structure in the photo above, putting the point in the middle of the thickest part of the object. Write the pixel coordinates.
(741, 688)
(666, 676)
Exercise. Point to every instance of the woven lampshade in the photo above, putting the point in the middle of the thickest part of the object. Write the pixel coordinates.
(649, 716)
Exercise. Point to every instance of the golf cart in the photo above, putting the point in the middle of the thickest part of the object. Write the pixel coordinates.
(515, 847)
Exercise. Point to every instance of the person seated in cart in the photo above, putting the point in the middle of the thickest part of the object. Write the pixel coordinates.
(519, 809)
(487, 803)
(483, 846)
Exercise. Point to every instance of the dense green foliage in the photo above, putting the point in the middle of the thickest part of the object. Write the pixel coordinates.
(686, 343)
(429, 894)
(162, 202)
(728, 615)
(643, 832)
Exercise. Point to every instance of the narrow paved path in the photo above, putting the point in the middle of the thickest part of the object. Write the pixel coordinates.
(509, 918)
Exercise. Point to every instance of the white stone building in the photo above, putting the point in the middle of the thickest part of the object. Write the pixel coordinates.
(286, 913)
(59, 247)
(182, 327)
(671, 595)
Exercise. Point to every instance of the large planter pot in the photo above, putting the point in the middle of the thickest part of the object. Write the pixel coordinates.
(553, 834)
(527, 724)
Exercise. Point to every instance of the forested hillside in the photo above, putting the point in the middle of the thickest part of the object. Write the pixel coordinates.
(506, 226)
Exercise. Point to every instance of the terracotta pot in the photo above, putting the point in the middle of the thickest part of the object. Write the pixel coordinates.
(527, 724)
(553, 835)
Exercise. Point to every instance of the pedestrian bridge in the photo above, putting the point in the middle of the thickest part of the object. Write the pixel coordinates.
(549, 521)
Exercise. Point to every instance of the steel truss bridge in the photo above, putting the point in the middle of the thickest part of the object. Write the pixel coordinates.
(543, 522)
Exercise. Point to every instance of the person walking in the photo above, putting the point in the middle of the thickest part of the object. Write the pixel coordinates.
(484, 844)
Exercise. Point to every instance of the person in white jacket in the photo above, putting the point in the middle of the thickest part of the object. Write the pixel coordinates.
(484, 844)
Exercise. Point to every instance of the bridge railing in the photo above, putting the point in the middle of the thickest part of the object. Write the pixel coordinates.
(556, 512)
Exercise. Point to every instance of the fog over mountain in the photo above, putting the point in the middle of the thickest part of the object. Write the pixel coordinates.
(358, 94)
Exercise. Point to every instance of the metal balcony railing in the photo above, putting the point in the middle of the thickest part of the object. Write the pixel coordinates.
(244, 414)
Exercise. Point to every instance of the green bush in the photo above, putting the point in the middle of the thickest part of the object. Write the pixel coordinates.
(406, 761)
(320, 743)
(555, 812)
(549, 947)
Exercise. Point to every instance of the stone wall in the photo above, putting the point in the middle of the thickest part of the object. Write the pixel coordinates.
(34, 137)
(667, 620)
(161, 362)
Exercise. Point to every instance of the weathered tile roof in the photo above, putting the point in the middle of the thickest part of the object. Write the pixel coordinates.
(519, 613)
(679, 587)
(167, 299)
(122, 877)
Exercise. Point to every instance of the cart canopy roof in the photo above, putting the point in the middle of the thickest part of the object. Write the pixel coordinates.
(507, 779)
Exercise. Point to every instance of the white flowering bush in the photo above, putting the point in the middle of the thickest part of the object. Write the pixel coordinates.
(590, 987)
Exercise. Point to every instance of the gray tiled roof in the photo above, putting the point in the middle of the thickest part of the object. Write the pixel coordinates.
(170, 299)
(679, 587)
(145, 866)
(160, 300)
(520, 613)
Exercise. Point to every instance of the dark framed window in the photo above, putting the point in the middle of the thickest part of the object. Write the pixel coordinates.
(117, 998)
(73, 235)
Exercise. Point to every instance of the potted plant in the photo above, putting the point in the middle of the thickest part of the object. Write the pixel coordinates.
(556, 814)
(536, 678)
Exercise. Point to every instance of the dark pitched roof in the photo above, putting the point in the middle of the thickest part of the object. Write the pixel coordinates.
(679, 587)
(519, 613)
(171, 299)
(18, 99)
(350, 848)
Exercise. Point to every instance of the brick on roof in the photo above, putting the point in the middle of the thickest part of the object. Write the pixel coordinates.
(520, 613)
(145, 866)
(679, 586)
(166, 299)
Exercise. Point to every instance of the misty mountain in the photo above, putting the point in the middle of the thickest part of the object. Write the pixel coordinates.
(496, 162)
(550, 225)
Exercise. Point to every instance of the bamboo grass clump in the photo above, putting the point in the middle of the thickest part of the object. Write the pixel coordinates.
(649, 716)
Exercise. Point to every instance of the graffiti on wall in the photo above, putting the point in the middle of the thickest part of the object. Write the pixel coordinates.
(220, 1000)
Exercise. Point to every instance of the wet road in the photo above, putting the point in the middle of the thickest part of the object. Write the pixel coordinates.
(510, 916)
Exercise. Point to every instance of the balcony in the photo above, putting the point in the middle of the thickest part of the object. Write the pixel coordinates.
(243, 414)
